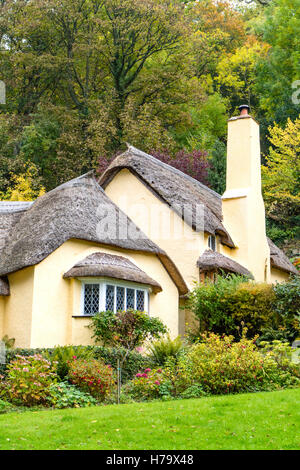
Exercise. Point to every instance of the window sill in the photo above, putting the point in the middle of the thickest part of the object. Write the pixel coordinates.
(83, 316)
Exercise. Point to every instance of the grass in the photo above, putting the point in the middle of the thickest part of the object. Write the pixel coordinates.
(268, 420)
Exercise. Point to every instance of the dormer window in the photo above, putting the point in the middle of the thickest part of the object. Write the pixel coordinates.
(212, 243)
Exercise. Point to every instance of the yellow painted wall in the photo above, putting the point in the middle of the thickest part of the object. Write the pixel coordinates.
(1, 317)
(278, 276)
(56, 300)
(18, 307)
(181, 242)
(243, 206)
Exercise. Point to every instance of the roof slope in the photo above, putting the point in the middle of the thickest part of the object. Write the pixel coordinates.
(116, 267)
(77, 209)
(211, 260)
(10, 214)
(279, 260)
(177, 189)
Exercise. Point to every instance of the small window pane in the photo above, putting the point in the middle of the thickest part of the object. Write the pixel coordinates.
(91, 299)
(129, 298)
(110, 298)
(140, 300)
(120, 298)
(212, 242)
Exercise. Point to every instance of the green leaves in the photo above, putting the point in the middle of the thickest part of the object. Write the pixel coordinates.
(128, 329)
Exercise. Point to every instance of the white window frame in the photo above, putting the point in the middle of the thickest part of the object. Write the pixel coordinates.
(103, 282)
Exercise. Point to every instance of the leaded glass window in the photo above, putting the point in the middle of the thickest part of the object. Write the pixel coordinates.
(110, 298)
(130, 298)
(91, 299)
(140, 300)
(120, 298)
(102, 297)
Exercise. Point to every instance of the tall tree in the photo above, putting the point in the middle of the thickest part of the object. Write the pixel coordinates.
(276, 72)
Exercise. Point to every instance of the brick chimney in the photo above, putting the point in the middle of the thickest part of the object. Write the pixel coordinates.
(243, 206)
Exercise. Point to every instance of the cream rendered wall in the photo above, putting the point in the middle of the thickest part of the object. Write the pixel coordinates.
(1, 317)
(18, 307)
(181, 242)
(243, 206)
(278, 276)
(56, 300)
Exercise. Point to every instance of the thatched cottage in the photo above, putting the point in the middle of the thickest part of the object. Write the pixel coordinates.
(138, 238)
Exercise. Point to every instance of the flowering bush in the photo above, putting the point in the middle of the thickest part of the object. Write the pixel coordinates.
(223, 366)
(92, 376)
(62, 355)
(148, 385)
(28, 380)
(63, 395)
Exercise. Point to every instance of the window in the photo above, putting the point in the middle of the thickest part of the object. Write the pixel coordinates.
(103, 296)
(212, 242)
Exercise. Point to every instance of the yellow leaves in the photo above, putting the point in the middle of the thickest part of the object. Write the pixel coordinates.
(23, 188)
(280, 176)
(236, 70)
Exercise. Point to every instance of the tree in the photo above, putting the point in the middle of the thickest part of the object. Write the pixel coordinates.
(218, 29)
(236, 72)
(217, 170)
(281, 178)
(24, 187)
(280, 68)
(116, 70)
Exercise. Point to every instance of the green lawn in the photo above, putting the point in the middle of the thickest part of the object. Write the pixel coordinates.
(249, 421)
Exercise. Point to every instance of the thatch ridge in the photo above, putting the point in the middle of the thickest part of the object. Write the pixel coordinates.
(211, 260)
(279, 260)
(113, 266)
(175, 188)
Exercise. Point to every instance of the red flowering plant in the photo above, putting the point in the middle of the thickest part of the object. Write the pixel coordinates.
(92, 376)
(149, 384)
(28, 380)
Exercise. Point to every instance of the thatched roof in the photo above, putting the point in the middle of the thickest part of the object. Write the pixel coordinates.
(10, 214)
(4, 286)
(211, 260)
(112, 266)
(279, 260)
(74, 210)
(175, 188)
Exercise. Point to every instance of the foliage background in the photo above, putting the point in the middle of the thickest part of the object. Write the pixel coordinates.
(85, 76)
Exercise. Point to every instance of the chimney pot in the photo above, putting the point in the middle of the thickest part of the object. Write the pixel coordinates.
(244, 110)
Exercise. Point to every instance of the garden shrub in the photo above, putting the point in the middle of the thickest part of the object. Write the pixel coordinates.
(64, 395)
(126, 329)
(148, 385)
(282, 353)
(92, 376)
(208, 301)
(134, 361)
(164, 348)
(287, 309)
(223, 366)
(28, 380)
(62, 355)
(230, 304)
